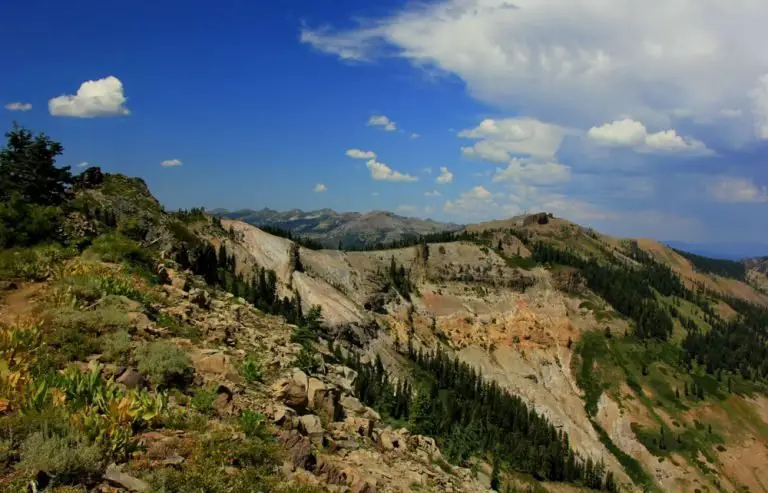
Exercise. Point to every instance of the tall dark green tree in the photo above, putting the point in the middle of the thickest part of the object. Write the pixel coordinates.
(28, 168)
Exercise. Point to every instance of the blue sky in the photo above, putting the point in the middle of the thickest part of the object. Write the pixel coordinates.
(638, 124)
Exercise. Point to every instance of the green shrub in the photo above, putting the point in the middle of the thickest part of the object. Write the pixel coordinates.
(306, 361)
(26, 224)
(163, 364)
(68, 458)
(32, 264)
(116, 347)
(252, 424)
(92, 287)
(116, 248)
(203, 400)
(204, 471)
(76, 332)
(7, 452)
(252, 369)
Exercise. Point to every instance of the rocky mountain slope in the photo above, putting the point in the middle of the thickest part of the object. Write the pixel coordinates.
(149, 351)
(330, 228)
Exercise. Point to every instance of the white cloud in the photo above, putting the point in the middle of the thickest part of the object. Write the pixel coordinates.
(374, 194)
(410, 209)
(730, 113)
(383, 122)
(731, 189)
(18, 106)
(759, 96)
(536, 173)
(171, 163)
(358, 154)
(414, 135)
(84, 164)
(433, 193)
(445, 177)
(499, 139)
(380, 171)
(474, 202)
(427, 170)
(320, 188)
(576, 62)
(103, 97)
(630, 133)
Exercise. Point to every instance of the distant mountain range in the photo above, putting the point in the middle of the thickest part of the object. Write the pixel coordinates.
(348, 228)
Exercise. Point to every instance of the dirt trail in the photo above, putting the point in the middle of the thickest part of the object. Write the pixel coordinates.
(18, 303)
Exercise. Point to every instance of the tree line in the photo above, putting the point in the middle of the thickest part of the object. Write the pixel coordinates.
(260, 289)
(469, 416)
(628, 290)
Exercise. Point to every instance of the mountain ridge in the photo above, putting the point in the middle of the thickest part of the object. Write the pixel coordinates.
(331, 228)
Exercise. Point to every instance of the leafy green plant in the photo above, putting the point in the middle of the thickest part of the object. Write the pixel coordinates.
(203, 400)
(252, 424)
(252, 369)
(163, 364)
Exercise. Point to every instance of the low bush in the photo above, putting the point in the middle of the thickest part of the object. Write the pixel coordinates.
(252, 424)
(255, 468)
(116, 347)
(252, 369)
(163, 364)
(32, 264)
(116, 248)
(203, 400)
(76, 332)
(67, 458)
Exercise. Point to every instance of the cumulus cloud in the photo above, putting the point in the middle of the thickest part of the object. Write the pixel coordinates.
(83, 164)
(414, 135)
(103, 97)
(383, 122)
(575, 62)
(731, 189)
(171, 163)
(18, 106)
(630, 133)
(358, 154)
(474, 202)
(536, 173)
(445, 177)
(427, 170)
(499, 139)
(433, 193)
(409, 209)
(380, 171)
(320, 188)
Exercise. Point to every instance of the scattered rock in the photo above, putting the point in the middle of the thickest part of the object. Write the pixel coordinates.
(115, 476)
(300, 450)
(311, 426)
(290, 392)
(352, 405)
(217, 363)
(130, 378)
